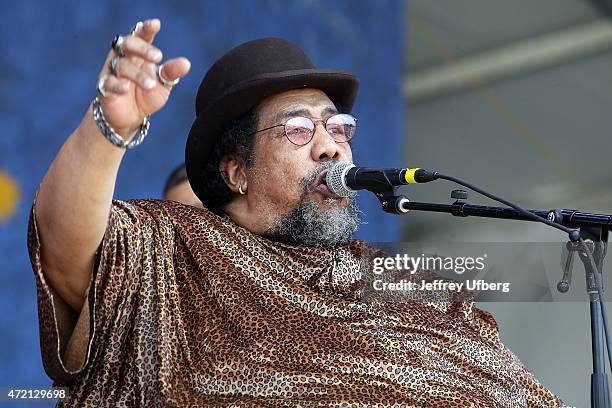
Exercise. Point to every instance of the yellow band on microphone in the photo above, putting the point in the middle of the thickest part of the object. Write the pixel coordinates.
(410, 173)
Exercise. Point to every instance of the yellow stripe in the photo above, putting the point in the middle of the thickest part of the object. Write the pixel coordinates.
(410, 175)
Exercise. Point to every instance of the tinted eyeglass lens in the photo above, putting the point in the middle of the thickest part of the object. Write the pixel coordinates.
(299, 130)
(341, 127)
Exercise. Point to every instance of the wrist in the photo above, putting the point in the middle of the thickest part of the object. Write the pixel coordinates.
(113, 136)
(87, 141)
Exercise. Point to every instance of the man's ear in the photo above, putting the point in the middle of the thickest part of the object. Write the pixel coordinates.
(233, 171)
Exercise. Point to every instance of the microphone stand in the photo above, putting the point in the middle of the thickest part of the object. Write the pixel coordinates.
(594, 229)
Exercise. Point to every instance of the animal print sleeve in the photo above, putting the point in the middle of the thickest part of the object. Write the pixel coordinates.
(71, 342)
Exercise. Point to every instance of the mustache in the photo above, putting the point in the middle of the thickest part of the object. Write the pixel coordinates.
(307, 182)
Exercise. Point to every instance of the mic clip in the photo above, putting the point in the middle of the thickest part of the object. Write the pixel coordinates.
(391, 202)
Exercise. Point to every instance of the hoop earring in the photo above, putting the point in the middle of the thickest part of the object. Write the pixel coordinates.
(240, 189)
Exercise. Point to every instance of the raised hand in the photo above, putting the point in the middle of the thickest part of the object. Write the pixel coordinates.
(133, 90)
(75, 197)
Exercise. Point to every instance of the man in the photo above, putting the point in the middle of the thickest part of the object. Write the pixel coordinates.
(253, 300)
(177, 188)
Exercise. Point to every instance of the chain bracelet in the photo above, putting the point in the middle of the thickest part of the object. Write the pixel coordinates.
(112, 136)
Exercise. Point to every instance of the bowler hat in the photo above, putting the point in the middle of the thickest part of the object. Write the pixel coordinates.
(242, 78)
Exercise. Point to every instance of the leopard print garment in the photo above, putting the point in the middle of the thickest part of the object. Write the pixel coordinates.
(186, 308)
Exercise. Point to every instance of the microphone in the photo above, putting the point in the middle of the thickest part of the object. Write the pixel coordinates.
(345, 178)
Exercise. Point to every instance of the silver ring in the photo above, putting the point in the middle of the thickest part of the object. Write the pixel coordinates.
(100, 88)
(112, 65)
(136, 28)
(117, 45)
(163, 80)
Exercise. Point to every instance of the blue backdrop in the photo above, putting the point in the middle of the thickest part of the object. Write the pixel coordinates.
(52, 53)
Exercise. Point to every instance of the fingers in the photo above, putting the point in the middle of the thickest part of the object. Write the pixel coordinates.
(138, 73)
(144, 75)
(175, 68)
(134, 46)
(148, 30)
(140, 63)
(112, 85)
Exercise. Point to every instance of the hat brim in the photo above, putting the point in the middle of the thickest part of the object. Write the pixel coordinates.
(340, 86)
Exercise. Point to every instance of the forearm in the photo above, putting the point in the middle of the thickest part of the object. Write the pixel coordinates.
(73, 207)
(75, 197)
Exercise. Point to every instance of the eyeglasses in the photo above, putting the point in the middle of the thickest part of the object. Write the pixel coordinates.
(300, 130)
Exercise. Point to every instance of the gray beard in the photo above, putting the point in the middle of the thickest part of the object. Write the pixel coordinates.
(311, 225)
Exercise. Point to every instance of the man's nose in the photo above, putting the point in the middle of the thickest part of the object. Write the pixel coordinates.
(324, 147)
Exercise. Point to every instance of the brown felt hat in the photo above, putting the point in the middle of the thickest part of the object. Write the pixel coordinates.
(245, 76)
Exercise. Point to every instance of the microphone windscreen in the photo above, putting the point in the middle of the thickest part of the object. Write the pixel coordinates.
(335, 179)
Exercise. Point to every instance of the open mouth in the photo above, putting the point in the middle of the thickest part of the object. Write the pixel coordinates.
(320, 180)
(320, 184)
(323, 178)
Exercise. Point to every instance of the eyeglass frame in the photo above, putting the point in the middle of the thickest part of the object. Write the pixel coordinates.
(313, 129)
